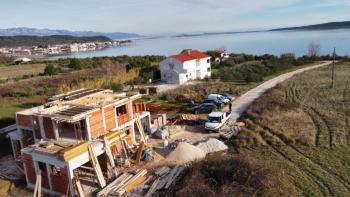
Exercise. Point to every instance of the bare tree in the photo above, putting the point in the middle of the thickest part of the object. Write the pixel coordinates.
(314, 49)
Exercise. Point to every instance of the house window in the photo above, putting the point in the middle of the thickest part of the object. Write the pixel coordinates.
(171, 66)
(208, 60)
(121, 110)
(186, 76)
(208, 69)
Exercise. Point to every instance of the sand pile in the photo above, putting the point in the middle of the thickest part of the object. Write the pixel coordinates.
(212, 145)
(185, 152)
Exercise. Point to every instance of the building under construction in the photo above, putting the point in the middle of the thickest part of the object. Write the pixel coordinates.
(80, 131)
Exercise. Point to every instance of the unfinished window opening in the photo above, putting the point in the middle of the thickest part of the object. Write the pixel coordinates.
(121, 110)
(28, 137)
(75, 130)
(42, 166)
(55, 170)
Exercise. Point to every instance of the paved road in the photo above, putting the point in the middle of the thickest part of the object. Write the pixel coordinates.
(243, 102)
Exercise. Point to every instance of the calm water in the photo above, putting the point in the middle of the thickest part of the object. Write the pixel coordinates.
(252, 43)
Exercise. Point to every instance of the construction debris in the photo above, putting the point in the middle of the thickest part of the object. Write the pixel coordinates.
(185, 152)
(162, 171)
(212, 145)
(96, 166)
(153, 188)
(123, 184)
(189, 117)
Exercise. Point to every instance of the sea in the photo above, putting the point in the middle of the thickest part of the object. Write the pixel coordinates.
(258, 43)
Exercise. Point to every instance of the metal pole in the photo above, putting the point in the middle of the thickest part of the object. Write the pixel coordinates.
(333, 69)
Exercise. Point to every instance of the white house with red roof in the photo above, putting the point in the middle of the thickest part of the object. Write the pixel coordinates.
(184, 67)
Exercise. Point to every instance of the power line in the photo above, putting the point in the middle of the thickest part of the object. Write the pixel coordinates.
(333, 69)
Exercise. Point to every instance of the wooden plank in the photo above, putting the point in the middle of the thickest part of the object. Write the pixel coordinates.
(96, 166)
(37, 187)
(177, 173)
(135, 183)
(139, 152)
(108, 189)
(153, 188)
(109, 153)
(78, 186)
(140, 127)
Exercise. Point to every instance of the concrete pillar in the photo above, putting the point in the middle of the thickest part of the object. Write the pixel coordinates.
(116, 117)
(87, 122)
(55, 129)
(103, 120)
(70, 180)
(49, 172)
(41, 126)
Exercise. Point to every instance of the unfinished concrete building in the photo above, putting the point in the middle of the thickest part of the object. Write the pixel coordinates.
(80, 130)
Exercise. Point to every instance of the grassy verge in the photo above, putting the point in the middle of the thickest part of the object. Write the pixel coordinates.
(301, 128)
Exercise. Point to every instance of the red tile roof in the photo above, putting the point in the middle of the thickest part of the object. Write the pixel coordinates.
(183, 57)
(190, 55)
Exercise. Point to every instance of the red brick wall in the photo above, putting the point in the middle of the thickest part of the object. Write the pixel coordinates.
(27, 142)
(24, 120)
(60, 181)
(96, 124)
(36, 127)
(109, 114)
(48, 127)
(29, 166)
(16, 148)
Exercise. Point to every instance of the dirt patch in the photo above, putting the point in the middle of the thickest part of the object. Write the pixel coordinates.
(20, 70)
(9, 169)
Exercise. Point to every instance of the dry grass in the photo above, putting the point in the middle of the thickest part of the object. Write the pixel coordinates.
(20, 70)
(302, 128)
(221, 175)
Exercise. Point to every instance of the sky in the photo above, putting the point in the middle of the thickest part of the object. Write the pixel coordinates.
(169, 16)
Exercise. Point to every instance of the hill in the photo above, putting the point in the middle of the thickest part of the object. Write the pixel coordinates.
(323, 26)
(14, 41)
(301, 128)
(24, 31)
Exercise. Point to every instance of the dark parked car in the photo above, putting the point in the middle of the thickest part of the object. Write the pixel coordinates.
(204, 108)
(228, 96)
(218, 103)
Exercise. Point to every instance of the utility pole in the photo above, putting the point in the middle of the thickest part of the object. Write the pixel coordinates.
(333, 69)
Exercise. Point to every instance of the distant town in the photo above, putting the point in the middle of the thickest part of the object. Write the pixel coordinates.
(57, 49)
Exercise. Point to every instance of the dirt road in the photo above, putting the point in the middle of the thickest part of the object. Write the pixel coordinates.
(243, 102)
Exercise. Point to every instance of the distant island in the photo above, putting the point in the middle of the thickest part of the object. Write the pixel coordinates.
(17, 41)
(323, 26)
(24, 31)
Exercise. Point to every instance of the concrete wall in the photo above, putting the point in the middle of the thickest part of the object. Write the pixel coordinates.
(184, 71)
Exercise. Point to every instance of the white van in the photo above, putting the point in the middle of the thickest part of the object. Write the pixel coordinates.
(218, 98)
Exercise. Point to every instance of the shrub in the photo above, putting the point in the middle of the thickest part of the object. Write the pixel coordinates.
(50, 69)
(27, 92)
(75, 64)
(221, 175)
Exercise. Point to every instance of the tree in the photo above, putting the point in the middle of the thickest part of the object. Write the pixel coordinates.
(314, 50)
(75, 64)
(50, 69)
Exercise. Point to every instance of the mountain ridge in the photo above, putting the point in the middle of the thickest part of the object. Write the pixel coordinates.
(25, 31)
(321, 26)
